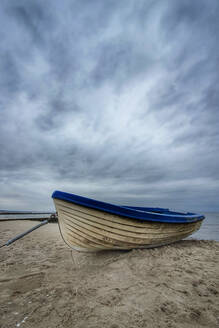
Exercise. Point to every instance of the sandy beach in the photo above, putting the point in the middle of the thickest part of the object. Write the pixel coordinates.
(43, 283)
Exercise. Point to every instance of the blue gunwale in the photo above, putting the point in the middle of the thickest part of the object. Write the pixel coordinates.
(132, 212)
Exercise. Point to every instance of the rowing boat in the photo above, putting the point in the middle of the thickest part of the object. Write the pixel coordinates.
(90, 225)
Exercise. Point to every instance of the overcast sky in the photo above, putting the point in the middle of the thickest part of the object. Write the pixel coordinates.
(114, 100)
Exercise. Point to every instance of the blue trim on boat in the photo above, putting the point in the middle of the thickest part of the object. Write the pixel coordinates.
(132, 212)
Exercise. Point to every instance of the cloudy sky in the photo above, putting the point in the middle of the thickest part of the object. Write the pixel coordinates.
(114, 100)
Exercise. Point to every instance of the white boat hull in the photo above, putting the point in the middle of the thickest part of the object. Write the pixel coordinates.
(87, 229)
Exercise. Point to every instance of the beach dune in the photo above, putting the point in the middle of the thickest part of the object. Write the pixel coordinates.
(43, 283)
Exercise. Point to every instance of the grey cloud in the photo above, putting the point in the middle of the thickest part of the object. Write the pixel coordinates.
(119, 60)
(113, 100)
(10, 74)
(32, 17)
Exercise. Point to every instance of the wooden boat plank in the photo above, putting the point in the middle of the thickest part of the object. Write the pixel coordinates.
(113, 238)
(86, 238)
(89, 229)
(106, 234)
(78, 241)
(129, 246)
(101, 239)
(107, 216)
(87, 245)
(123, 223)
(101, 224)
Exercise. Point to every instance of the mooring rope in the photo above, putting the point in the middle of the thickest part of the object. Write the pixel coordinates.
(2, 245)
(21, 235)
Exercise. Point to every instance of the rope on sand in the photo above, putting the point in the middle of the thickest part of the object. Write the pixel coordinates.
(21, 235)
